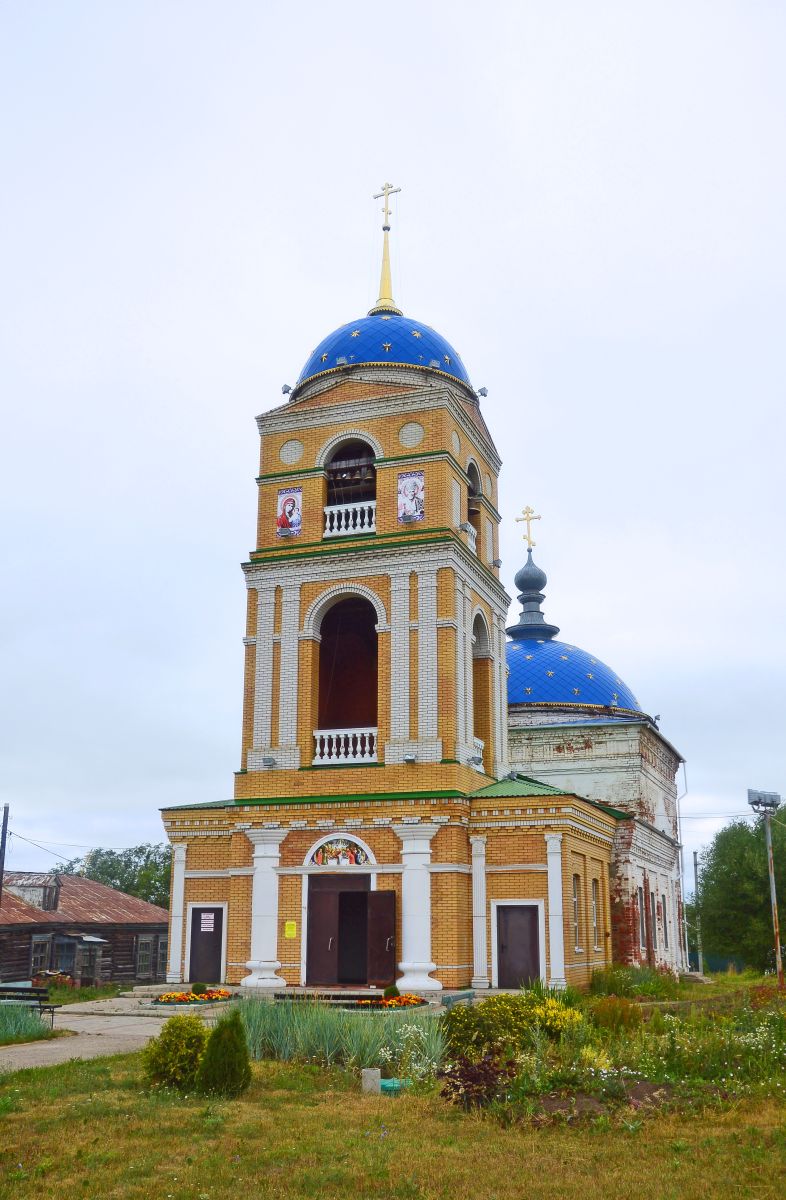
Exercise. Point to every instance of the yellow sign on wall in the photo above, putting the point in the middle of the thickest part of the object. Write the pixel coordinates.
(290, 929)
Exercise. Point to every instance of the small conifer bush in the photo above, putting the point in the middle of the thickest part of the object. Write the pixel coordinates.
(391, 991)
(225, 1069)
(198, 989)
(172, 1059)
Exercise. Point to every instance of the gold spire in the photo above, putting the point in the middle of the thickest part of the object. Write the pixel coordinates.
(528, 515)
(385, 303)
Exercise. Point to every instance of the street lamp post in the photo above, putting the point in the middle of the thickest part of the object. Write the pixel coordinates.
(764, 804)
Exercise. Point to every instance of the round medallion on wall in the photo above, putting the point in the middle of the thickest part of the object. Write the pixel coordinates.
(411, 434)
(456, 440)
(291, 452)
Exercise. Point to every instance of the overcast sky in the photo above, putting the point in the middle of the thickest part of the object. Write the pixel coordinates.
(592, 213)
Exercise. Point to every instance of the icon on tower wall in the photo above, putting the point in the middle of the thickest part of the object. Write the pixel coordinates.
(411, 496)
(289, 516)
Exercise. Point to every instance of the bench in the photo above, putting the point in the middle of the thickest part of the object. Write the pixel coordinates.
(458, 998)
(32, 997)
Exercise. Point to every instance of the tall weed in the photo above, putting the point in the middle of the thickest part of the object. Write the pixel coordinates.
(18, 1023)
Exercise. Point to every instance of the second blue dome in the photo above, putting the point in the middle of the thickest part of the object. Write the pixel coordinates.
(551, 672)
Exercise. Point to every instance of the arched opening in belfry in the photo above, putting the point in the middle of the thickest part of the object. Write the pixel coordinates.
(474, 492)
(351, 490)
(348, 675)
(481, 692)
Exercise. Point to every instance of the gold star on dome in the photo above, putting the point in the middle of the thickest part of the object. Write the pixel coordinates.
(528, 691)
(324, 357)
(416, 334)
(614, 697)
(355, 333)
(384, 318)
(590, 675)
(549, 672)
(564, 657)
(575, 691)
(386, 346)
(529, 657)
(447, 359)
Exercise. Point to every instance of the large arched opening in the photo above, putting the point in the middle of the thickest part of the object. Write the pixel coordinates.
(351, 490)
(348, 684)
(481, 691)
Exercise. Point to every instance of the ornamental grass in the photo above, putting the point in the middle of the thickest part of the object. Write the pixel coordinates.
(18, 1023)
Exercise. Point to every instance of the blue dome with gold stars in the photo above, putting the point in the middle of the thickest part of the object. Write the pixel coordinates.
(384, 339)
(542, 670)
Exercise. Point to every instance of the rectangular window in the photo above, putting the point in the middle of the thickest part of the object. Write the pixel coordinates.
(595, 930)
(65, 956)
(576, 913)
(162, 948)
(654, 920)
(39, 957)
(144, 956)
(665, 923)
(642, 921)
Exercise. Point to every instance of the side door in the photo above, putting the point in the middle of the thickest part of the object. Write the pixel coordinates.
(518, 950)
(381, 934)
(322, 941)
(206, 934)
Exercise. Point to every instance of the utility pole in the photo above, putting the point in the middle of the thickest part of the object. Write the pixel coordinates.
(3, 837)
(696, 908)
(764, 804)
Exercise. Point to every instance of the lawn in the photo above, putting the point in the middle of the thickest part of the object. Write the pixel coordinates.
(92, 1130)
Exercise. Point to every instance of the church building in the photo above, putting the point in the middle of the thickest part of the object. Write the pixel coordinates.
(377, 832)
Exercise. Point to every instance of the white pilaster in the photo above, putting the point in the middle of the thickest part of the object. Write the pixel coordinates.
(469, 661)
(461, 676)
(288, 675)
(480, 955)
(174, 972)
(399, 659)
(556, 924)
(498, 713)
(263, 963)
(263, 681)
(428, 681)
(502, 691)
(416, 963)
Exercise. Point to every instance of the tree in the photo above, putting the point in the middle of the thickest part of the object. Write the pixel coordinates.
(142, 871)
(734, 891)
(225, 1069)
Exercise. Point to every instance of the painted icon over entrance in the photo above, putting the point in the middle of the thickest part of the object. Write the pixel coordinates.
(289, 515)
(340, 852)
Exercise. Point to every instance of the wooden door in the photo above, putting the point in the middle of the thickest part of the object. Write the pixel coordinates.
(381, 935)
(322, 942)
(204, 962)
(518, 949)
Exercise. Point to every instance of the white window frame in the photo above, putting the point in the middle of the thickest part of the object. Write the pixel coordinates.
(595, 906)
(654, 920)
(665, 921)
(577, 946)
(642, 920)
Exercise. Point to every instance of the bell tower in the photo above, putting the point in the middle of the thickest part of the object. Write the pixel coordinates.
(375, 643)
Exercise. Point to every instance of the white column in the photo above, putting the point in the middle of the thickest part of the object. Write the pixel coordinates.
(556, 926)
(461, 676)
(469, 663)
(416, 963)
(428, 681)
(288, 674)
(263, 963)
(263, 682)
(174, 972)
(399, 659)
(480, 954)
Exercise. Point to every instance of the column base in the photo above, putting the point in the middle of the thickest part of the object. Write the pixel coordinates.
(174, 977)
(558, 981)
(263, 975)
(479, 982)
(416, 978)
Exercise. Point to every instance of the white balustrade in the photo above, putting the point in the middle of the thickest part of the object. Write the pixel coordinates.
(338, 746)
(344, 519)
(472, 537)
(478, 746)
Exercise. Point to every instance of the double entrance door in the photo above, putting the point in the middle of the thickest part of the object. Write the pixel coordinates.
(351, 933)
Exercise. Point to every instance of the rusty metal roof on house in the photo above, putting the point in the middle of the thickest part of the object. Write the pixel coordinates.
(31, 879)
(14, 911)
(86, 902)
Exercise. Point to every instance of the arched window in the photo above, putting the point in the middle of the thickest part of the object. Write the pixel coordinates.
(481, 691)
(474, 492)
(348, 669)
(351, 490)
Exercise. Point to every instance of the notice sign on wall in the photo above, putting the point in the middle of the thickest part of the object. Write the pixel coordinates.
(207, 922)
(290, 929)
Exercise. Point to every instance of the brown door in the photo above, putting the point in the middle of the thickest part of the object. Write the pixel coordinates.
(322, 943)
(518, 951)
(381, 935)
(204, 963)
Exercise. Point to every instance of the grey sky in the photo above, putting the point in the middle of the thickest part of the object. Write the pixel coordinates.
(592, 214)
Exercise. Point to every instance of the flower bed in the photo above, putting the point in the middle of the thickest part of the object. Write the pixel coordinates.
(405, 1000)
(208, 997)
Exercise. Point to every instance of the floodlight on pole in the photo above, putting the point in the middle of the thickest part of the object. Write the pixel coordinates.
(764, 804)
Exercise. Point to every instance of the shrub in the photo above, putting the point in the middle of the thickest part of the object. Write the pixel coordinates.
(390, 992)
(615, 1013)
(224, 1069)
(172, 1059)
(619, 980)
(198, 989)
(503, 1024)
(476, 1084)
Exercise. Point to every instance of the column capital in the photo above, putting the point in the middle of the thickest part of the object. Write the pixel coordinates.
(179, 851)
(265, 837)
(421, 832)
(553, 843)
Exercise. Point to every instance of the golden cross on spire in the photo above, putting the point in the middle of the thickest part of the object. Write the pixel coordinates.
(385, 303)
(387, 191)
(529, 515)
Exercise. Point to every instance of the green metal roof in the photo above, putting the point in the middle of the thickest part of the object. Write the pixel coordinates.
(520, 786)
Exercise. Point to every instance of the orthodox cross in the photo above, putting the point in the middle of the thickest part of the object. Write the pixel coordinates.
(528, 515)
(387, 191)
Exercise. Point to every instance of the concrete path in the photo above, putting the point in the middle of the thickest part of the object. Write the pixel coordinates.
(99, 1027)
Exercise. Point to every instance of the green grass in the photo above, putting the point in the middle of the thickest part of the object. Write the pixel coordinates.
(80, 995)
(18, 1023)
(91, 1130)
